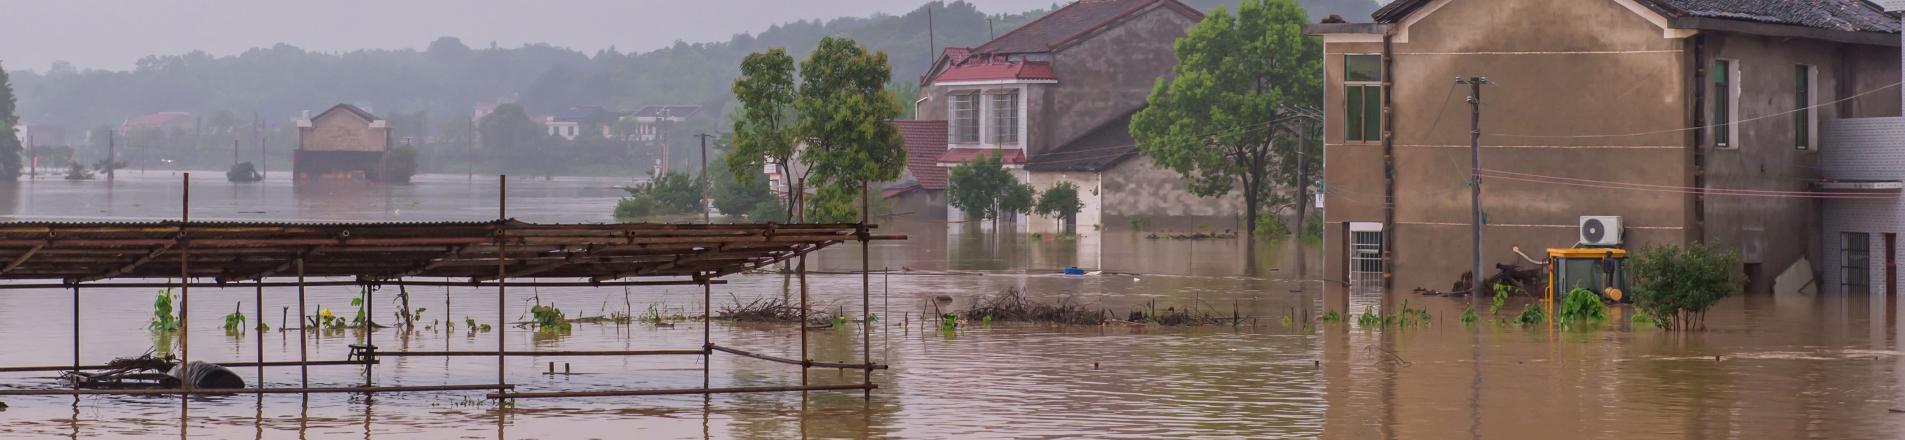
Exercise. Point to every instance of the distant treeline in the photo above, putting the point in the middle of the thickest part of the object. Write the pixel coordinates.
(429, 94)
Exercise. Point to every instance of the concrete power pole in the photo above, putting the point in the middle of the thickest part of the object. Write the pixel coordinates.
(1475, 182)
(705, 179)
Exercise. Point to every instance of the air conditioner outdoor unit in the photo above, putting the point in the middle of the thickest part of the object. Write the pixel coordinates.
(1600, 230)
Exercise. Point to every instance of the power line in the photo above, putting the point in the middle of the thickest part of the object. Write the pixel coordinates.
(1703, 127)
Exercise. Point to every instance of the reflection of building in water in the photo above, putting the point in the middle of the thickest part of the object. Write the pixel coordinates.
(344, 142)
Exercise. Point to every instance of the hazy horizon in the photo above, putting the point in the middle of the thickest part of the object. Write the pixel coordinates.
(114, 35)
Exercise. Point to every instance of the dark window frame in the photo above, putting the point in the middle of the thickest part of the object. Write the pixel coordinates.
(1855, 277)
(1725, 75)
(1804, 89)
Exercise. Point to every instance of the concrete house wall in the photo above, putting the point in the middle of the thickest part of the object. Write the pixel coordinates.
(1588, 89)
(1861, 149)
(1107, 74)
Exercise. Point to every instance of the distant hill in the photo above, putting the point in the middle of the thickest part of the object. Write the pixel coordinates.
(448, 78)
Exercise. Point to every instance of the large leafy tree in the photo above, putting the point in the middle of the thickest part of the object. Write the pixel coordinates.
(9, 145)
(1060, 202)
(984, 190)
(844, 117)
(516, 141)
(764, 126)
(1226, 119)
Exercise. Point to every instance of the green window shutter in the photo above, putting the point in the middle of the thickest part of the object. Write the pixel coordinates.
(1372, 113)
(1353, 127)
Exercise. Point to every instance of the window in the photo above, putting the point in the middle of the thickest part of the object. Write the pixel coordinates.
(965, 123)
(1725, 74)
(1804, 123)
(1005, 117)
(1855, 261)
(1362, 97)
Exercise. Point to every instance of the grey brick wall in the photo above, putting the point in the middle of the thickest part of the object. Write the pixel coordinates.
(1861, 149)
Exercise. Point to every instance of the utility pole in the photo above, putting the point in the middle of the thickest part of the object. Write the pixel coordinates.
(705, 178)
(33, 159)
(112, 153)
(1475, 182)
(234, 152)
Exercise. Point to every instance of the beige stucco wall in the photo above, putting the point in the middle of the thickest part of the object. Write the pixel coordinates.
(342, 131)
(1559, 68)
(1089, 193)
(1136, 188)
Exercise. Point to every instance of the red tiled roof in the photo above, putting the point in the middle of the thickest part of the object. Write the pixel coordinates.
(925, 141)
(955, 156)
(977, 70)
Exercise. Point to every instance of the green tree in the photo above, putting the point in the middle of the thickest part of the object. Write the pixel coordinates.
(752, 198)
(844, 114)
(400, 165)
(671, 193)
(10, 148)
(764, 129)
(1675, 285)
(984, 190)
(1224, 120)
(513, 141)
(1061, 202)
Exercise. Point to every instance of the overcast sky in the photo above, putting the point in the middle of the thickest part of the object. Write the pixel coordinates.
(113, 34)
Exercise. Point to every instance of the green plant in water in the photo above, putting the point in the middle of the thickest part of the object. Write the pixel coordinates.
(163, 319)
(1531, 315)
(1468, 315)
(1286, 321)
(235, 322)
(1332, 316)
(1502, 290)
(359, 318)
(1582, 305)
(1675, 285)
(1642, 318)
(1368, 318)
(549, 318)
(949, 322)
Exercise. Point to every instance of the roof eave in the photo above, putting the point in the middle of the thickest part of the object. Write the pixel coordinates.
(1785, 30)
(1346, 28)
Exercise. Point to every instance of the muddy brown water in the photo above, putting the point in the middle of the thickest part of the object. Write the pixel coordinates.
(1787, 367)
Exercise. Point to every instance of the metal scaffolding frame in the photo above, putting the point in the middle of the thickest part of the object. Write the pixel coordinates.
(246, 254)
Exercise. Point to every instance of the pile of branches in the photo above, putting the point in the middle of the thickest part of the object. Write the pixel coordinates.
(769, 309)
(1011, 305)
(1527, 281)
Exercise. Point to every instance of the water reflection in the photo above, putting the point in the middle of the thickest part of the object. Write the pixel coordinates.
(1816, 366)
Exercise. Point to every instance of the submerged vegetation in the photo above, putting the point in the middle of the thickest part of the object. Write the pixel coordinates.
(1675, 285)
(1405, 317)
(1012, 305)
(1583, 306)
(164, 319)
(549, 318)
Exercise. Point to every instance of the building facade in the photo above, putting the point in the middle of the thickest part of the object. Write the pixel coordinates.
(342, 143)
(1630, 108)
(1054, 98)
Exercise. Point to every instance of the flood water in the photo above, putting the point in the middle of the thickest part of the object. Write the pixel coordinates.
(1770, 367)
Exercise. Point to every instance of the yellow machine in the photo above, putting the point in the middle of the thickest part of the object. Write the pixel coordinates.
(1599, 270)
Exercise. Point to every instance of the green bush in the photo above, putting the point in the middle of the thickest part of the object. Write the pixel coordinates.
(1675, 285)
(1582, 305)
(400, 164)
(669, 193)
(1531, 314)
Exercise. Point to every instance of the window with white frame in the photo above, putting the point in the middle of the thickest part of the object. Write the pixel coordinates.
(1005, 117)
(965, 118)
(1362, 97)
(1726, 102)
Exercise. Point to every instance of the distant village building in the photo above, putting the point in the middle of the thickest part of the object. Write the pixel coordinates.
(344, 142)
(570, 123)
(1864, 155)
(1629, 108)
(1053, 99)
(651, 122)
(41, 135)
(159, 121)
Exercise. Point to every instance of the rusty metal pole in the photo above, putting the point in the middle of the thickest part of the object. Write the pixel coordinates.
(304, 335)
(258, 309)
(707, 331)
(75, 379)
(185, 291)
(370, 339)
(866, 286)
(502, 277)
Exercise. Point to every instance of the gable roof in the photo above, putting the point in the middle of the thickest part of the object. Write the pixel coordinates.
(925, 141)
(349, 108)
(1837, 15)
(1096, 150)
(673, 111)
(996, 68)
(1071, 22)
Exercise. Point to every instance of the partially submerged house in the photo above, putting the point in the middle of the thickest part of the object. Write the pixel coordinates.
(1054, 98)
(580, 120)
(344, 142)
(1631, 108)
(1866, 156)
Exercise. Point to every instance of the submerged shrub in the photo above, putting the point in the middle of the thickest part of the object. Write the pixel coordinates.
(1531, 314)
(1676, 285)
(163, 318)
(1582, 305)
